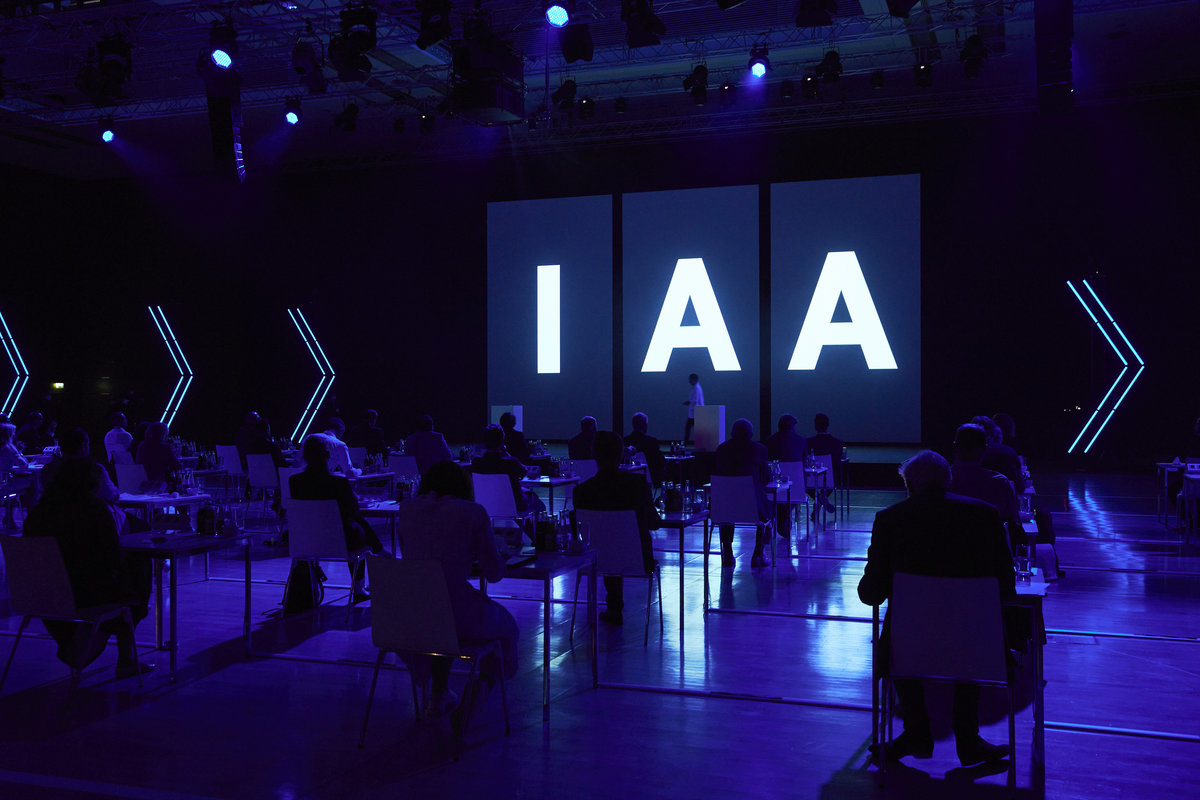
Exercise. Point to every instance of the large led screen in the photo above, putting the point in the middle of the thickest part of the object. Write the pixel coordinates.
(690, 303)
(550, 311)
(846, 305)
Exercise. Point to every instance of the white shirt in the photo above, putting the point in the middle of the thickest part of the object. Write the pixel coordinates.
(339, 453)
(117, 439)
(695, 398)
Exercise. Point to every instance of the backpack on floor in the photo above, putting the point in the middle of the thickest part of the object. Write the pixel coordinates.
(305, 587)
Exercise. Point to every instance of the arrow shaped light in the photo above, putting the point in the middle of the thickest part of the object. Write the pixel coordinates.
(181, 363)
(21, 379)
(327, 374)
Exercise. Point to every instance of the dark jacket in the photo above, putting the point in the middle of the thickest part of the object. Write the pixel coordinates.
(614, 490)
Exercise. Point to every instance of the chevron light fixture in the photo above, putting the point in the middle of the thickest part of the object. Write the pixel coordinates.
(1134, 360)
(21, 377)
(181, 363)
(323, 364)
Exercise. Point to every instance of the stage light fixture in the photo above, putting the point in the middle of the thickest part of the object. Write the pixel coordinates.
(222, 45)
(759, 63)
(435, 22)
(108, 131)
(291, 111)
(815, 13)
(576, 43)
(787, 89)
(808, 86)
(307, 62)
(558, 12)
(642, 27)
(923, 74)
(564, 95)
(877, 80)
(587, 108)
(348, 49)
(830, 68)
(696, 84)
(347, 119)
(972, 55)
(113, 57)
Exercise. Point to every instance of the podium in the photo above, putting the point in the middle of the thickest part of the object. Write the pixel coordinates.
(710, 428)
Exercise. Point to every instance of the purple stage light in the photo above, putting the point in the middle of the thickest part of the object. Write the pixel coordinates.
(291, 118)
(557, 14)
(107, 135)
(221, 58)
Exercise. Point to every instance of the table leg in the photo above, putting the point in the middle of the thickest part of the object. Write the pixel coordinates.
(174, 617)
(246, 619)
(158, 604)
(593, 608)
(546, 649)
(680, 583)
(1039, 703)
(705, 540)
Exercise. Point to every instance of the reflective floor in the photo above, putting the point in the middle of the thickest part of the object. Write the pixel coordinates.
(767, 696)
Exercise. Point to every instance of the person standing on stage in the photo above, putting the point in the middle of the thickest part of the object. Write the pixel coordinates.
(695, 398)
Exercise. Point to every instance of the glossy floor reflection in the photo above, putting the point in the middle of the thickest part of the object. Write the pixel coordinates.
(769, 703)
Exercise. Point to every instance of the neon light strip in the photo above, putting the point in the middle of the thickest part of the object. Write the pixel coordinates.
(21, 380)
(16, 377)
(1113, 321)
(175, 339)
(323, 364)
(176, 352)
(1098, 409)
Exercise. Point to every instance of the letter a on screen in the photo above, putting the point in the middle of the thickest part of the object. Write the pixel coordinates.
(690, 282)
(842, 277)
(548, 318)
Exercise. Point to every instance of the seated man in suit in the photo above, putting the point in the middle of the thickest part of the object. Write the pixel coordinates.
(741, 455)
(786, 445)
(941, 534)
(317, 483)
(610, 489)
(426, 445)
(825, 444)
(496, 461)
(368, 434)
(514, 440)
(998, 456)
(970, 478)
(580, 445)
(647, 445)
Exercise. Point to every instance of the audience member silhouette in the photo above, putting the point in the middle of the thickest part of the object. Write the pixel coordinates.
(339, 453)
(647, 445)
(939, 534)
(610, 489)
(245, 435)
(998, 456)
(969, 478)
(695, 398)
(514, 440)
(443, 523)
(785, 444)
(496, 461)
(580, 445)
(10, 459)
(368, 434)
(741, 455)
(825, 444)
(427, 445)
(31, 435)
(156, 455)
(118, 442)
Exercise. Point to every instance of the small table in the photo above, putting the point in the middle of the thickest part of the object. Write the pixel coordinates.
(1031, 594)
(545, 568)
(169, 545)
(680, 521)
(148, 502)
(385, 509)
(549, 483)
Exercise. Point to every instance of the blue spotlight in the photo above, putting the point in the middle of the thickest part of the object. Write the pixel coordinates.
(107, 135)
(758, 69)
(557, 13)
(759, 63)
(291, 118)
(221, 58)
(291, 111)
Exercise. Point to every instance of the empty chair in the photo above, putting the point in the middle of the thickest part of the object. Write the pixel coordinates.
(412, 614)
(824, 485)
(39, 587)
(131, 478)
(316, 533)
(494, 493)
(617, 543)
(948, 630)
(794, 472)
(231, 462)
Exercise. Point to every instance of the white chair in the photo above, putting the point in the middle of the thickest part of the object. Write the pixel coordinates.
(316, 533)
(795, 474)
(39, 587)
(122, 457)
(403, 465)
(581, 468)
(494, 493)
(261, 474)
(734, 501)
(285, 488)
(948, 630)
(131, 478)
(617, 543)
(411, 613)
(358, 456)
(824, 486)
(231, 462)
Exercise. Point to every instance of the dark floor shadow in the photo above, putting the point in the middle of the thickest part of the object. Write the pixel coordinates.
(909, 783)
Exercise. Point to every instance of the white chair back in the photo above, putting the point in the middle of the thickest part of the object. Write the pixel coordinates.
(947, 629)
(122, 457)
(261, 471)
(131, 477)
(38, 584)
(615, 538)
(315, 531)
(285, 488)
(231, 461)
(410, 606)
(794, 472)
(495, 494)
(358, 456)
(734, 500)
(403, 465)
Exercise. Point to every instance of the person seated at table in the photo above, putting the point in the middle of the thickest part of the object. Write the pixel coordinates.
(442, 522)
(580, 445)
(998, 456)
(10, 459)
(496, 461)
(933, 532)
(514, 440)
(426, 445)
(99, 573)
(647, 445)
(610, 489)
(969, 478)
(368, 434)
(339, 452)
(245, 435)
(741, 455)
(787, 445)
(1008, 433)
(31, 436)
(75, 444)
(825, 444)
(316, 482)
(156, 455)
(118, 442)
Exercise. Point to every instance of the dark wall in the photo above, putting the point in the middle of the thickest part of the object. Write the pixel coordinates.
(389, 266)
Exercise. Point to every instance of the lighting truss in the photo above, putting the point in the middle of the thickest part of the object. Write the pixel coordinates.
(327, 374)
(1126, 366)
(21, 378)
(181, 363)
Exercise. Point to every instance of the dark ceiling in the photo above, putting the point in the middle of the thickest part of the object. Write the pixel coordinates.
(52, 101)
